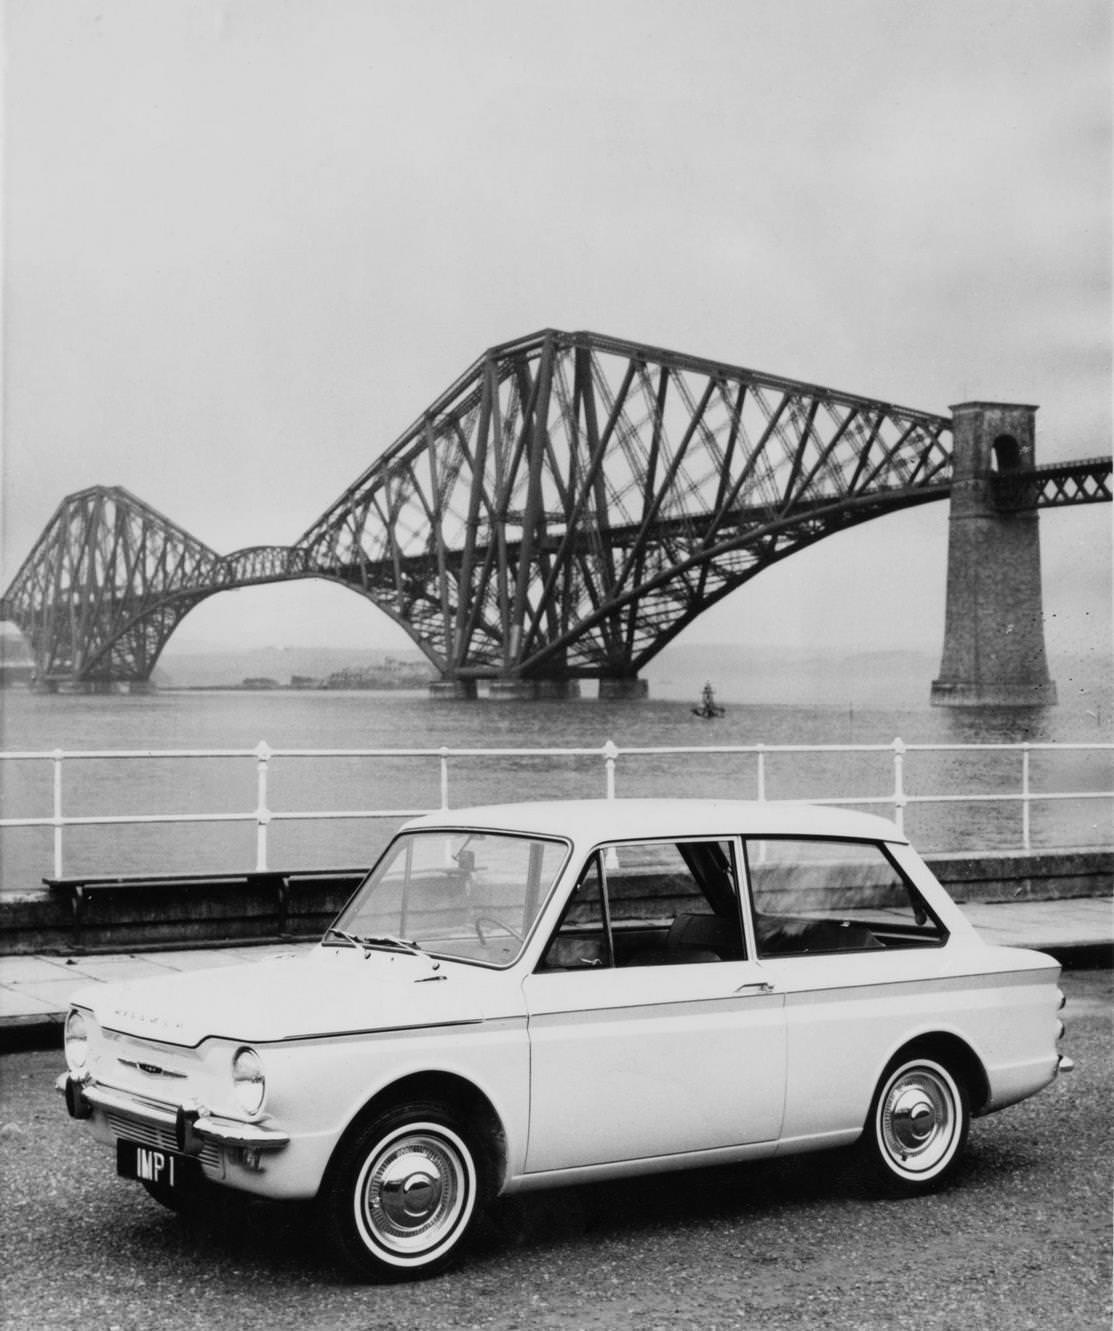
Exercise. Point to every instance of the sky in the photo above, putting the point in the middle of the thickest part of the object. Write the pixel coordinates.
(246, 242)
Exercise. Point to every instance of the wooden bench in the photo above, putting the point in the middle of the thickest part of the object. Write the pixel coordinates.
(158, 910)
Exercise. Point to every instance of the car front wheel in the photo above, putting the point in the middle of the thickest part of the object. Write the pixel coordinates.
(403, 1192)
(918, 1124)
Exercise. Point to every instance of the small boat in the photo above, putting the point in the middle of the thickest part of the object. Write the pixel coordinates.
(709, 708)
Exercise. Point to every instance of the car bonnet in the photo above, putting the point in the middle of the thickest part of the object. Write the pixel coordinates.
(329, 991)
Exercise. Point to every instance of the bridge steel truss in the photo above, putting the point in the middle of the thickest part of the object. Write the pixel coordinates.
(1054, 485)
(110, 579)
(104, 587)
(561, 511)
(573, 501)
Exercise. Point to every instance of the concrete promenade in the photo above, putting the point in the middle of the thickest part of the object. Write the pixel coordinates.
(35, 989)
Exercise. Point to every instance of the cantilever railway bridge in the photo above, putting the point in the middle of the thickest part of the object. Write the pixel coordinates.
(560, 512)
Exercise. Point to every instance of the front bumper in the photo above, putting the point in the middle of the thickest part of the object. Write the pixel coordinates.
(192, 1125)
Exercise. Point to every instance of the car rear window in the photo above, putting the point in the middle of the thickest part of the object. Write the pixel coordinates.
(813, 895)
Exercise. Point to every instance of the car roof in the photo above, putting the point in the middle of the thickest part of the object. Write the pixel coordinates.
(629, 819)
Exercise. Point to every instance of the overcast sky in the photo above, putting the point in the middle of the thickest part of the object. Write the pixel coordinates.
(246, 243)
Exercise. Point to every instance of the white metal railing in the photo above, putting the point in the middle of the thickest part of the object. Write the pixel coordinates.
(899, 798)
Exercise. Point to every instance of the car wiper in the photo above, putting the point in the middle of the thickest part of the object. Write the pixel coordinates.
(388, 943)
(370, 942)
(392, 943)
(350, 939)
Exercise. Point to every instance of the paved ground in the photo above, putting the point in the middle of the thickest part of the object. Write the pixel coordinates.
(35, 990)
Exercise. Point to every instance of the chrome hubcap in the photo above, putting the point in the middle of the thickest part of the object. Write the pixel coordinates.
(410, 1190)
(918, 1120)
(912, 1118)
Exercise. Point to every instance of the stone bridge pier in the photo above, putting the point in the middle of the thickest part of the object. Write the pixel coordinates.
(994, 653)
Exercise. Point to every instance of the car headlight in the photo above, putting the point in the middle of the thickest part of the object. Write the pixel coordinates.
(249, 1083)
(77, 1040)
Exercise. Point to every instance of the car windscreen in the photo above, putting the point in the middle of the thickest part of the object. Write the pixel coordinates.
(455, 893)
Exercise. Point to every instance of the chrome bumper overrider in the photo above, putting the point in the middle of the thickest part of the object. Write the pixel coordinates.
(191, 1123)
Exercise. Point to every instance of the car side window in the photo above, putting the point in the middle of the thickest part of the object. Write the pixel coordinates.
(651, 903)
(812, 895)
(672, 903)
(581, 939)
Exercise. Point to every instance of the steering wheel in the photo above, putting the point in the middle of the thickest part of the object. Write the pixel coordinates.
(480, 920)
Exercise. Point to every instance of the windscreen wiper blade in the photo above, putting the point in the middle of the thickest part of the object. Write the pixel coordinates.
(350, 939)
(392, 943)
(370, 942)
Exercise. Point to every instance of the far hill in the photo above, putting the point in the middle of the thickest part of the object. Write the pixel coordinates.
(737, 673)
(896, 679)
(217, 668)
(790, 675)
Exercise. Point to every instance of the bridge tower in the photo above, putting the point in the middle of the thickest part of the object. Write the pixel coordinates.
(994, 652)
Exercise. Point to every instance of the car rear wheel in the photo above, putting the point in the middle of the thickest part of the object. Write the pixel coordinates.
(918, 1124)
(402, 1194)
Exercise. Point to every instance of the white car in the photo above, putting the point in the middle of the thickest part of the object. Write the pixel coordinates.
(541, 994)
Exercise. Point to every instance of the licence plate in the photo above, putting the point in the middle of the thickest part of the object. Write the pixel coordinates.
(151, 1165)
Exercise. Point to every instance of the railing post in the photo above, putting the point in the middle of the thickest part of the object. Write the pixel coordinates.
(56, 760)
(610, 754)
(899, 784)
(760, 777)
(444, 777)
(1026, 830)
(262, 813)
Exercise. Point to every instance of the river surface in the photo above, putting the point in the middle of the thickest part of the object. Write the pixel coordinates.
(291, 720)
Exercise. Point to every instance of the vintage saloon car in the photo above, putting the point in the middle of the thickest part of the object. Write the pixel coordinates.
(539, 994)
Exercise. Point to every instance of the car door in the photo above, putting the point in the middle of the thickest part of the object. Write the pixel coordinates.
(857, 952)
(652, 1033)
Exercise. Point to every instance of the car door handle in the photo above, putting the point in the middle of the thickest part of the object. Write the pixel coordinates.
(759, 986)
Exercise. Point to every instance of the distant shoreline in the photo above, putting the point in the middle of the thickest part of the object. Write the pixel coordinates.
(791, 677)
(292, 688)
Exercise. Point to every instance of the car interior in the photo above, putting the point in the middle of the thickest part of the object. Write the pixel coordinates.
(677, 904)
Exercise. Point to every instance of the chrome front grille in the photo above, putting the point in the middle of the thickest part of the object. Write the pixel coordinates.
(158, 1137)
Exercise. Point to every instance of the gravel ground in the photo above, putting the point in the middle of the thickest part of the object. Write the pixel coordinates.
(1021, 1240)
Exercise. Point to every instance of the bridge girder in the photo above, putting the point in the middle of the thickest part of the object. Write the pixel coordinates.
(1054, 485)
(104, 587)
(563, 509)
(566, 504)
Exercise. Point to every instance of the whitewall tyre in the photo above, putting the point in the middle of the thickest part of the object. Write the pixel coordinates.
(917, 1127)
(403, 1193)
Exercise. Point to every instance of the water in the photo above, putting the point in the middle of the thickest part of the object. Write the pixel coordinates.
(314, 720)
